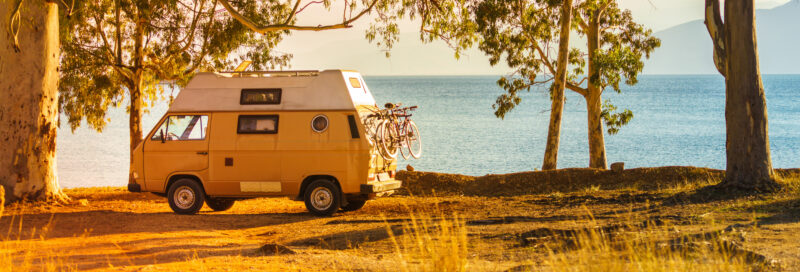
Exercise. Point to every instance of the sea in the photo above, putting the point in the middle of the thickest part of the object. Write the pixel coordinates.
(678, 120)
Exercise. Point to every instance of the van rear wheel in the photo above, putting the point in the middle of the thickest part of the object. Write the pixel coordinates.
(220, 204)
(186, 196)
(322, 197)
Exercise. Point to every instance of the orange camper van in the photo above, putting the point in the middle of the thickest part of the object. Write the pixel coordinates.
(239, 135)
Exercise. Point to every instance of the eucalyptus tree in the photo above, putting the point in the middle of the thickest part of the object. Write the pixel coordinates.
(615, 47)
(524, 34)
(749, 165)
(120, 51)
(29, 53)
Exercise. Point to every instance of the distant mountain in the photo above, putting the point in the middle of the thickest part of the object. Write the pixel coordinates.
(686, 48)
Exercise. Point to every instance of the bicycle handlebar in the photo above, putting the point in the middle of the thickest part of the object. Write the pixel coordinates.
(392, 109)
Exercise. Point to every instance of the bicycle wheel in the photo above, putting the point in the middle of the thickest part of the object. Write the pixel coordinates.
(401, 141)
(387, 140)
(413, 139)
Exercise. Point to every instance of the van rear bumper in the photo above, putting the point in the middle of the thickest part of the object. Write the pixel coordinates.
(381, 186)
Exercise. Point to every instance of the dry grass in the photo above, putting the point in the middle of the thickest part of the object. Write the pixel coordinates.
(431, 243)
(437, 243)
(649, 249)
(585, 226)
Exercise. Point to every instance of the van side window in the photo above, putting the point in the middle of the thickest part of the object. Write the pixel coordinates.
(260, 97)
(355, 83)
(182, 128)
(258, 124)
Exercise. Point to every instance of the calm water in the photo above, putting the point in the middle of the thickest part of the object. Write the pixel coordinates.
(678, 120)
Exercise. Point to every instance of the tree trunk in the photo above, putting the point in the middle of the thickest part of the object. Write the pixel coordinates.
(29, 103)
(597, 144)
(135, 92)
(135, 121)
(749, 164)
(594, 107)
(557, 90)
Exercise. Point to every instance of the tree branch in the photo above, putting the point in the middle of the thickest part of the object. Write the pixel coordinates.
(106, 47)
(603, 8)
(285, 26)
(582, 91)
(15, 32)
(715, 28)
(294, 11)
(189, 39)
(581, 22)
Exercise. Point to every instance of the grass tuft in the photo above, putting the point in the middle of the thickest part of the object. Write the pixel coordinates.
(431, 243)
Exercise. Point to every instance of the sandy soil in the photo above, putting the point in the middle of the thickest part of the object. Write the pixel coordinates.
(110, 228)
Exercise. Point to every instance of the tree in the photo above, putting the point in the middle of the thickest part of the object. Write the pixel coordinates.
(29, 100)
(749, 165)
(118, 50)
(522, 33)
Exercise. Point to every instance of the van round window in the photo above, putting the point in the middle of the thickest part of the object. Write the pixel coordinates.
(319, 123)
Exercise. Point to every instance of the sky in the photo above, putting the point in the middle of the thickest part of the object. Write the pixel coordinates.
(348, 49)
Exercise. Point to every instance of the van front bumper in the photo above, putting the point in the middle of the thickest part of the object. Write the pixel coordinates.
(381, 186)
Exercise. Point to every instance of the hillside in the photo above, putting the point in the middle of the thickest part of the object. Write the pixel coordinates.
(686, 48)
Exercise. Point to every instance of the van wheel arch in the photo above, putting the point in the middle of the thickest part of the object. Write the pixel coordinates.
(308, 180)
(174, 178)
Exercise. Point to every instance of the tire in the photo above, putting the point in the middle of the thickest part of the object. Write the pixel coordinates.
(220, 204)
(387, 136)
(186, 196)
(354, 204)
(413, 139)
(322, 197)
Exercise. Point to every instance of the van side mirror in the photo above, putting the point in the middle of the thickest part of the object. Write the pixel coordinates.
(161, 135)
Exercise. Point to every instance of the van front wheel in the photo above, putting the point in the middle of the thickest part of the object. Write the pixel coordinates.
(323, 198)
(220, 204)
(185, 196)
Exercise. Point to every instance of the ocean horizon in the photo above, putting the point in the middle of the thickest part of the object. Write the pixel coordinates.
(678, 120)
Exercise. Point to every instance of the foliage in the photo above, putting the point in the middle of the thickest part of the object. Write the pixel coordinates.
(615, 120)
(524, 35)
(101, 63)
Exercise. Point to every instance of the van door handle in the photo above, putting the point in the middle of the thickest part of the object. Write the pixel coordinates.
(202, 152)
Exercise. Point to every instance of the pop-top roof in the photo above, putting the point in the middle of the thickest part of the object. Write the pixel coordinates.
(300, 90)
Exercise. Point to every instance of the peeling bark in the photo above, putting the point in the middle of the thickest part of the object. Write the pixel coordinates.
(29, 104)
(557, 90)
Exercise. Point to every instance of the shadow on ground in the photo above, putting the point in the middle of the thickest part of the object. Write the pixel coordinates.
(105, 222)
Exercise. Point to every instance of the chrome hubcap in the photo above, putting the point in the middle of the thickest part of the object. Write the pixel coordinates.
(184, 197)
(321, 198)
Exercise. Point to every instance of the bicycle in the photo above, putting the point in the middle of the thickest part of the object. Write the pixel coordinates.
(397, 132)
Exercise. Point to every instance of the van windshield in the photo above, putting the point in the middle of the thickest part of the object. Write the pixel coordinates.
(182, 128)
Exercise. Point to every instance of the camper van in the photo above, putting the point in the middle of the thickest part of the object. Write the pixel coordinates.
(238, 135)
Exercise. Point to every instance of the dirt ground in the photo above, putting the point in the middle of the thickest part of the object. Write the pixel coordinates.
(112, 229)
